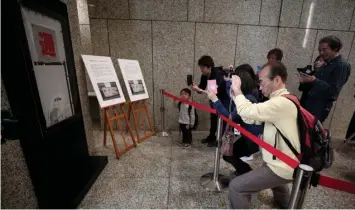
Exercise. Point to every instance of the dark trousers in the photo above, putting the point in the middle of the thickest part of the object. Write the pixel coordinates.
(186, 134)
(214, 122)
(242, 147)
(351, 128)
(213, 127)
(320, 109)
(325, 113)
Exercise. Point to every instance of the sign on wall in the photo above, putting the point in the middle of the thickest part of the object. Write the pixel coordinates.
(46, 44)
(133, 78)
(104, 80)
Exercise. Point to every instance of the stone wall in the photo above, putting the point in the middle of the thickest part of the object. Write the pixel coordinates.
(168, 37)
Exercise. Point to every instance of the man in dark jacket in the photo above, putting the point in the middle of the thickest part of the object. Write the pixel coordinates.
(210, 72)
(324, 87)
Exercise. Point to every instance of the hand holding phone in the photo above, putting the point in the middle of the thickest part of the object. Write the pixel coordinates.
(304, 78)
(195, 87)
(304, 74)
(189, 80)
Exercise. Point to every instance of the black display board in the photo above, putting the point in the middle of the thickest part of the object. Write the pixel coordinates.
(38, 73)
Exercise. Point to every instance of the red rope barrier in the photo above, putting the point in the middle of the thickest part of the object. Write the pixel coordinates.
(197, 105)
(323, 180)
(286, 159)
(341, 185)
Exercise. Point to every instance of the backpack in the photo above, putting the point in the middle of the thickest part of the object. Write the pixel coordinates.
(316, 148)
(196, 116)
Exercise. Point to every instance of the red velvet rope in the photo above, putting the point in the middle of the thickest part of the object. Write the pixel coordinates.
(323, 180)
(340, 185)
(288, 160)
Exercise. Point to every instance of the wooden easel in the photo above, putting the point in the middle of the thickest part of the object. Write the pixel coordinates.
(116, 116)
(140, 107)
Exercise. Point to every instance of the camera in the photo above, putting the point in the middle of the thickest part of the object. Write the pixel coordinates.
(228, 72)
(306, 70)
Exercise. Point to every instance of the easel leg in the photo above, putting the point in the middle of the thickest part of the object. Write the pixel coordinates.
(129, 112)
(113, 137)
(142, 121)
(122, 134)
(128, 124)
(105, 126)
(135, 122)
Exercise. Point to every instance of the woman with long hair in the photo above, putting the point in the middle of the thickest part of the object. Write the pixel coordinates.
(243, 147)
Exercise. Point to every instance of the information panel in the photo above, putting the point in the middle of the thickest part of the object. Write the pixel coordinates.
(133, 78)
(104, 80)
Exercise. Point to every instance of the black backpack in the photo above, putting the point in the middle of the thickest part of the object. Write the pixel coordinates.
(196, 116)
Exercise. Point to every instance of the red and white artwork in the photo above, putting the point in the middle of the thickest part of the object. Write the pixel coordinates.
(45, 42)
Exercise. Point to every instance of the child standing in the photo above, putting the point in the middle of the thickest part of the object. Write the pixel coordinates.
(186, 118)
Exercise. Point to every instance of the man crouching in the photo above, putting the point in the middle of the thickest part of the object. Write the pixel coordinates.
(278, 113)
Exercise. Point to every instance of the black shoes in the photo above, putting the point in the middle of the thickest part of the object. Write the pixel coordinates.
(225, 181)
(210, 140)
(278, 205)
(205, 140)
(212, 144)
(241, 172)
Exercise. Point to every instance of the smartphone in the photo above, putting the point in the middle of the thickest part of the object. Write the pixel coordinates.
(304, 74)
(306, 70)
(189, 80)
(212, 86)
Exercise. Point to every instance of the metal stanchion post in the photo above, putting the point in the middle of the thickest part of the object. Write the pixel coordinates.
(211, 181)
(162, 133)
(300, 186)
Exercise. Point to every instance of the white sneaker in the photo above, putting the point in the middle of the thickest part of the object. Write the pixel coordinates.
(246, 158)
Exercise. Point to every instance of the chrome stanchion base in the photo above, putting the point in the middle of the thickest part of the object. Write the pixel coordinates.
(209, 184)
(163, 134)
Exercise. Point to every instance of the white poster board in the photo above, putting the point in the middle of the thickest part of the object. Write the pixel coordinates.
(133, 78)
(46, 45)
(104, 79)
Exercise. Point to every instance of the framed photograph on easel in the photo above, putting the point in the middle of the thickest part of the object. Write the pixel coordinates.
(133, 78)
(104, 79)
(109, 93)
(138, 94)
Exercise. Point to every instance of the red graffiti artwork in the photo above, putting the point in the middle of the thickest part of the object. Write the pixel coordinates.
(47, 44)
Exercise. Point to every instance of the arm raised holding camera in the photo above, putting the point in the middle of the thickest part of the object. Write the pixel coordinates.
(217, 104)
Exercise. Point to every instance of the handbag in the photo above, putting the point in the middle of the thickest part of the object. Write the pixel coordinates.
(228, 138)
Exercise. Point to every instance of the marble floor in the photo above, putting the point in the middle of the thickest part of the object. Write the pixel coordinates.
(160, 174)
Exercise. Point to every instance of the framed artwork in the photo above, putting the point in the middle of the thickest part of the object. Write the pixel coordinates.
(46, 45)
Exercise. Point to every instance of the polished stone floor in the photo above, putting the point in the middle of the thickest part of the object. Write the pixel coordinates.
(160, 174)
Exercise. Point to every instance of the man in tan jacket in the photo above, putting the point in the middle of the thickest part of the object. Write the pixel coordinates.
(278, 112)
